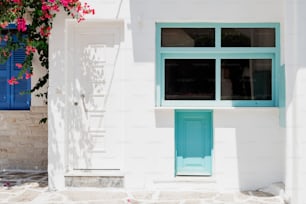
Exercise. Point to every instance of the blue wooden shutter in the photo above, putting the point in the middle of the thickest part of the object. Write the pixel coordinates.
(4, 86)
(19, 101)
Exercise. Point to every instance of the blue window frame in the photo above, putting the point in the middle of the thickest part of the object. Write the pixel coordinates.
(217, 64)
(10, 95)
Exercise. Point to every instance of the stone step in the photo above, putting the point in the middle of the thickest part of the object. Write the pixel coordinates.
(95, 181)
(95, 178)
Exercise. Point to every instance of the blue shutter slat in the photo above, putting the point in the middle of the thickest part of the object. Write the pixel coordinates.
(18, 57)
(10, 97)
(4, 86)
(20, 102)
(2, 66)
(4, 91)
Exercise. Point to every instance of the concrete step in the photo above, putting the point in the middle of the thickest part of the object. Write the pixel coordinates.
(96, 179)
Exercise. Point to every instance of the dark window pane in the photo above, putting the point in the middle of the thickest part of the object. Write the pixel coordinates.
(190, 79)
(188, 37)
(248, 37)
(246, 79)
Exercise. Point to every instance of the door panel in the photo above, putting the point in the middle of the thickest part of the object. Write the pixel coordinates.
(193, 131)
(96, 130)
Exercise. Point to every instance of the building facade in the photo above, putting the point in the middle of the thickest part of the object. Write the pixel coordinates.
(175, 94)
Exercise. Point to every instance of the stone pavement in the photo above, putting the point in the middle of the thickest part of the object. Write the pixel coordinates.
(31, 187)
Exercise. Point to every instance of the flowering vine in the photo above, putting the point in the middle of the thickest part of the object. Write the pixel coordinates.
(26, 24)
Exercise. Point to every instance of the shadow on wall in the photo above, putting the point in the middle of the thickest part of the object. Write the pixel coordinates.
(93, 57)
(251, 146)
(70, 140)
(55, 106)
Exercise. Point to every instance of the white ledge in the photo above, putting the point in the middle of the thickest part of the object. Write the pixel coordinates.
(94, 173)
(212, 108)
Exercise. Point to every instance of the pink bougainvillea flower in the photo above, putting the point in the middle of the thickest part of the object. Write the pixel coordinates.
(17, 2)
(21, 25)
(12, 81)
(18, 65)
(45, 7)
(30, 49)
(28, 75)
(5, 38)
(45, 31)
(47, 10)
(65, 3)
(55, 8)
(81, 19)
(47, 16)
(4, 24)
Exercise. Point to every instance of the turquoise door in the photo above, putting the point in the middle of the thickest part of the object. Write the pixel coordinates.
(193, 135)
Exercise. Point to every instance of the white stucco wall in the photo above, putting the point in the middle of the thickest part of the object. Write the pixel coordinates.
(248, 142)
(38, 72)
(249, 148)
(295, 46)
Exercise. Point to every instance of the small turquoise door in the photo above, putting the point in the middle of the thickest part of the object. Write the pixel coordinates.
(193, 135)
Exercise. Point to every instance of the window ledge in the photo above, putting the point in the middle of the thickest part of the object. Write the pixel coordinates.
(212, 108)
(10, 111)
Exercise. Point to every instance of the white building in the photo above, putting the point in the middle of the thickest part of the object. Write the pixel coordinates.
(179, 94)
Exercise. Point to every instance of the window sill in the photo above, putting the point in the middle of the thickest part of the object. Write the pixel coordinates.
(36, 109)
(13, 110)
(212, 108)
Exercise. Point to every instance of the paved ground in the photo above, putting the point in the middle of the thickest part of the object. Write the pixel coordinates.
(29, 187)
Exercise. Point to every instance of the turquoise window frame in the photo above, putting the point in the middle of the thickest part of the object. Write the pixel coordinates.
(217, 53)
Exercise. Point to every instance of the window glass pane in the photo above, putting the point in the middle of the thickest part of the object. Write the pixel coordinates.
(190, 79)
(248, 37)
(188, 37)
(246, 79)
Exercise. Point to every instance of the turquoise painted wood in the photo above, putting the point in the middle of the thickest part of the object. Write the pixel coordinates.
(193, 132)
(217, 53)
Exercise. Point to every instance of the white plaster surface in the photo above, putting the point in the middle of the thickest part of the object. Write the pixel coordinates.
(249, 145)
